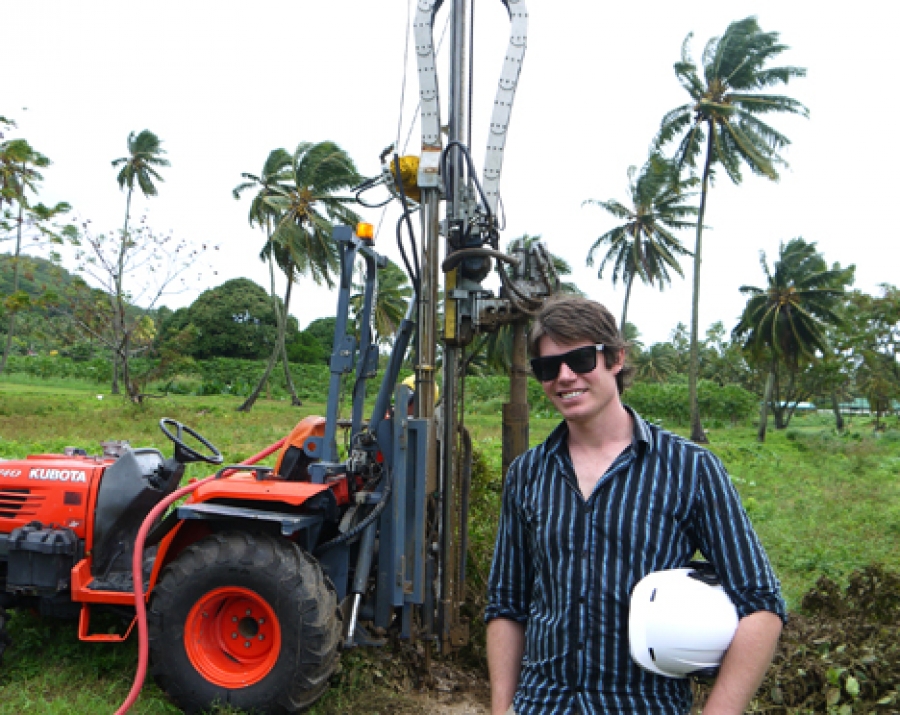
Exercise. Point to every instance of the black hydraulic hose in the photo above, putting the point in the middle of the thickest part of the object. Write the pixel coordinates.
(370, 517)
(517, 298)
(371, 206)
(409, 269)
(367, 184)
(415, 278)
(471, 165)
(457, 257)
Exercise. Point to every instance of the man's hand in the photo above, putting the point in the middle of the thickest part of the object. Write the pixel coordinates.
(505, 647)
(745, 664)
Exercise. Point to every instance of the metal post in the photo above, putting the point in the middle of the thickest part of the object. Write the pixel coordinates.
(458, 128)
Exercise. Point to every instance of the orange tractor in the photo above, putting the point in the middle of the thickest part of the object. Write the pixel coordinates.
(254, 581)
(239, 611)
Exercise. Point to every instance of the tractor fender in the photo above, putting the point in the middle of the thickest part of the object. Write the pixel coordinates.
(243, 502)
(242, 498)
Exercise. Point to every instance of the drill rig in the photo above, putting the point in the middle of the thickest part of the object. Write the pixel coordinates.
(246, 592)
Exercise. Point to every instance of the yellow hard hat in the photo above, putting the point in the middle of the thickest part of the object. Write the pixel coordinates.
(410, 382)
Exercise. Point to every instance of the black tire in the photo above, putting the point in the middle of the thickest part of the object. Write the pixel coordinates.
(5, 639)
(287, 581)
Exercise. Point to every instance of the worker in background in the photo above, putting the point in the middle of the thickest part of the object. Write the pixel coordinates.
(605, 500)
(410, 382)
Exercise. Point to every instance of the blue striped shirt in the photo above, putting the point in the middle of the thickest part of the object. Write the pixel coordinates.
(565, 567)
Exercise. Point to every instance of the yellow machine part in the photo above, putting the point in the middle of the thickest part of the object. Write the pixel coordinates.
(409, 173)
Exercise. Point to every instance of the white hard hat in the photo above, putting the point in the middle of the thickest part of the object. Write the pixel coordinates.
(681, 623)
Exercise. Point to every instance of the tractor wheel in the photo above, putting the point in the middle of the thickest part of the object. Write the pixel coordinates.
(246, 620)
(5, 640)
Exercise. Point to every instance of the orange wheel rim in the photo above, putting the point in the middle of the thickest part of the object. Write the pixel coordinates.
(232, 637)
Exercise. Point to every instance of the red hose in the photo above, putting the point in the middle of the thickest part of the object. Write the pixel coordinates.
(140, 607)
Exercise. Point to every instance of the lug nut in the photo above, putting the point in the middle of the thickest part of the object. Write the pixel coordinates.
(234, 636)
(262, 637)
(247, 644)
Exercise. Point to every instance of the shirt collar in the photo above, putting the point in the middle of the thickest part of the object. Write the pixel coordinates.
(642, 433)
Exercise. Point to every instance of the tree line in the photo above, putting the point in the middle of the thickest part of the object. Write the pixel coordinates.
(804, 332)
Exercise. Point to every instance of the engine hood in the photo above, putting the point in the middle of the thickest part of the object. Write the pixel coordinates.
(50, 488)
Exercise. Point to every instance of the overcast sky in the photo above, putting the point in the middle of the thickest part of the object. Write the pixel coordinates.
(223, 83)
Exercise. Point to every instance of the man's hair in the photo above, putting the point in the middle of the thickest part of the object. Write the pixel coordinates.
(570, 319)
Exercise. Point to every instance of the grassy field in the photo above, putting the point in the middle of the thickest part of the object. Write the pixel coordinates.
(822, 503)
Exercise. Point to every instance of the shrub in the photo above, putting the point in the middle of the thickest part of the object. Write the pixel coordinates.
(494, 390)
(668, 402)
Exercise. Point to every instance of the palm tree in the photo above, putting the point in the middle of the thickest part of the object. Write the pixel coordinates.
(144, 156)
(19, 164)
(317, 172)
(723, 114)
(303, 209)
(275, 173)
(644, 245)
(391, 300)
(784, 323)
(656, 364)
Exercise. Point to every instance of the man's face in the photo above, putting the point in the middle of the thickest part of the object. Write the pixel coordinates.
(580, 398)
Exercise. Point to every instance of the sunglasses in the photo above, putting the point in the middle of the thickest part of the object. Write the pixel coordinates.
(579, 360)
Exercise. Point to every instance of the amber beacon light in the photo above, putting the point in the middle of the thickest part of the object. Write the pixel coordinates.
(365, 231)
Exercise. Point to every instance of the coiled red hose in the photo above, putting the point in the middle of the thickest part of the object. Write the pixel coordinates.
(140, 607)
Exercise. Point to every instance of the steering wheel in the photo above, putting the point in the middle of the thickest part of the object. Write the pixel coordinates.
(183, 453)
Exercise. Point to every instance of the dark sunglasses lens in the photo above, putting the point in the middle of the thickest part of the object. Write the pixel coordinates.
(580, 360)
(546, 368)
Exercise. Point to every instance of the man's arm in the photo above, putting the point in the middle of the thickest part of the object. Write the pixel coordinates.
(744, 665)
(505, 646)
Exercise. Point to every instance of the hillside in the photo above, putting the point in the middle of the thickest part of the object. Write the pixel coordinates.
(36, 275)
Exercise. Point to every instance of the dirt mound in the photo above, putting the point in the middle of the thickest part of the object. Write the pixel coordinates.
(841, 656)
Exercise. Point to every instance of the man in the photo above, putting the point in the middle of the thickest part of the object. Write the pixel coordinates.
(605, 500)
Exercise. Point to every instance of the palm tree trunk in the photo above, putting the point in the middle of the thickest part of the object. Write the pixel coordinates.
(625, 303)
(247, 405)
(288, 380)
(764, 408)
(11, 328)
(515, 412)
(783, 412)
(836, 408)
(697, 433)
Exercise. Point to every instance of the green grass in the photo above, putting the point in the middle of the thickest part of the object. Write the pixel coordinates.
(822, 504)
